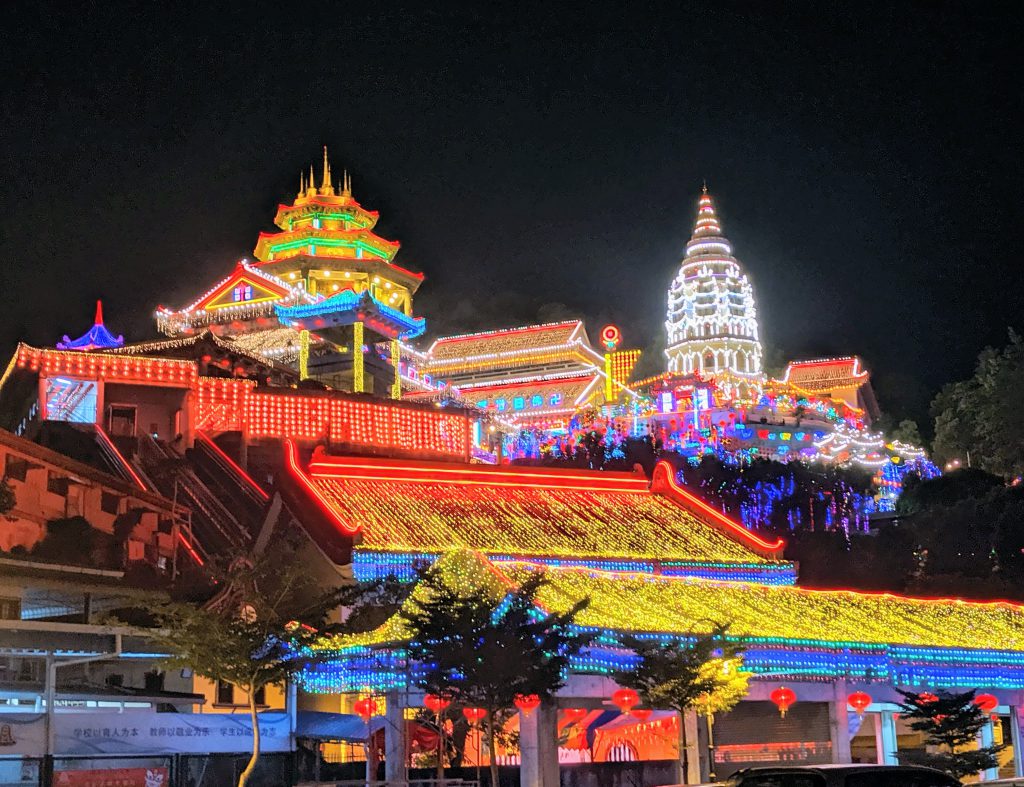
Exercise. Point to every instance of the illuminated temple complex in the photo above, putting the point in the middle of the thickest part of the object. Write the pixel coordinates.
(379, 486)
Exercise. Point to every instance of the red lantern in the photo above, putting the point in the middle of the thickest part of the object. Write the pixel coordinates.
(527, 703)
(986, 702)
(435, 703)
(625, 699)
(926, 699)
(575, 715)
(641, 714)
(859, 701)
(474, 715)
(365, 708)
(783, 699)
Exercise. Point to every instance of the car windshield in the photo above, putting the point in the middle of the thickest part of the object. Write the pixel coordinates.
(900, 779)
(782, 780)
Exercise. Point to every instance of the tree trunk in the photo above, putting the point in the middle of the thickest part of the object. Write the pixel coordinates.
(683, 758)
(243, 778)
(491, 749)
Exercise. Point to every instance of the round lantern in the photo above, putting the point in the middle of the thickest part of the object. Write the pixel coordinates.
(986, 702)
(435, 703)
(625, 699)
(926, 699)
(783, 699)
(575, 715)
(474, 715)
(610, 337)
(641, 714)
(859, 701)
(527, 703)
(365, 708)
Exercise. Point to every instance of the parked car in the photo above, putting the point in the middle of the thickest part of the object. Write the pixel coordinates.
(840, 776)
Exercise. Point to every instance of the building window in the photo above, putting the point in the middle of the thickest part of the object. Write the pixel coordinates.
(10, 608)
(261, 695)
(225, 693)
(15, 467)
(243, 292)
(57, 484)
(110, 502)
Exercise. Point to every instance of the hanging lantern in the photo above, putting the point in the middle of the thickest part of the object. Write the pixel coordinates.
(625, 699)
(987, 703)
(527, 703)
(433, 702)
(575, 715)
(641, 714)
(474, 715)
(366, 708)
(925, 698)
(859, 701)
(783, 699)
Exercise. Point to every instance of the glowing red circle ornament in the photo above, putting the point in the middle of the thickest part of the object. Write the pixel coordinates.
(926, 698)
(625, 699)
(986, 702)
(365, 708)
(859, 701)
(575, 715)
(641, 714)
(474, 715)
(783, 699)
(610, 337)
(527, 703)
(434, 703)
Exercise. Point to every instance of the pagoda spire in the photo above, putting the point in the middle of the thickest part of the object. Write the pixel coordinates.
(346, 184)
(99, 313)
(325, 184)
(707, 224)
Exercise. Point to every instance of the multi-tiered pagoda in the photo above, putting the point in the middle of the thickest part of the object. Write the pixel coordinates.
(712, 320)
(323, 291)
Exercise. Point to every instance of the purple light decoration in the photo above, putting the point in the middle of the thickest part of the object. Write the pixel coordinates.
(96, 338)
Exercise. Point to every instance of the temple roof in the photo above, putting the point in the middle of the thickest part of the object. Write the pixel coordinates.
(407, 506)
(824, 374)
(96, 338)
(572, 391)
(509, 344)
(762, 613)
(347, 307)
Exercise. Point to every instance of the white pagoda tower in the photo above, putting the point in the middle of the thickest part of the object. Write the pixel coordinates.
(712, 320)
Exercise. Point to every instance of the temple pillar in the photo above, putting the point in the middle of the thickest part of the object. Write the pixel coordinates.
(885, 738)
(396, 358)
(303, 354)
(839, 724)
(358, 375)
(538, 747)
(986, 737)
(692, 754)
(1015, 739)
(396, 745)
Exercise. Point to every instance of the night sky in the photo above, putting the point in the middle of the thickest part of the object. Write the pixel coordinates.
(535, 163)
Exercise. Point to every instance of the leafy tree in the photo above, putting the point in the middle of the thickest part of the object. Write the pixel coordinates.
(68, 539)
(483, 645)
(951, 722)
(907, 432)
(7, 497)
(256, 631)
(946, 490)
(981, 415)
(701, 672)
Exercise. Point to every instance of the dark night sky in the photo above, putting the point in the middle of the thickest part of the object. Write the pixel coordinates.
(866, 162)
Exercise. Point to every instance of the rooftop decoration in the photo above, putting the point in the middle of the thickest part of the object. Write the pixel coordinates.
(96, 338)
(348, 307)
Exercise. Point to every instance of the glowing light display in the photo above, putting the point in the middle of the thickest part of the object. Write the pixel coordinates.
(96, 338)
(117, 368)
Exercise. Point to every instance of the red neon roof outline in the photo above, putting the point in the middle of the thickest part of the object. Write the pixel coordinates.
(191, 551)
(240, 274)
(665, 473)
(292, 461)
(326, 467)
(234, 465)
(548, 326)
(612, 574)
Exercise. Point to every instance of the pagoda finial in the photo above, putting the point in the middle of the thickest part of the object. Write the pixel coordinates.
(707, 223)
(325, 184)
(346, 184)
(99, 313)
(704, 188)
(302, 183)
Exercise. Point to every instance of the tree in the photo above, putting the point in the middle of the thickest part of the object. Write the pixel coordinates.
(980, 417)
(951, 722)
(256, 631)
(702, 672)
(907, 432)
(483, 644)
